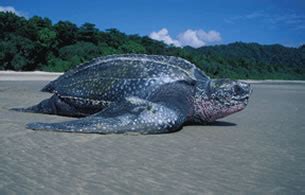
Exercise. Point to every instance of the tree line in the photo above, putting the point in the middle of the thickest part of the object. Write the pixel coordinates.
(38, 44)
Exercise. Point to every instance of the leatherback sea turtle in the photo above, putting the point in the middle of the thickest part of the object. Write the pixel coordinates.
(138, 93)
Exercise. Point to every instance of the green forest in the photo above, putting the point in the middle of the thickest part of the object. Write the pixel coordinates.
(38, 44)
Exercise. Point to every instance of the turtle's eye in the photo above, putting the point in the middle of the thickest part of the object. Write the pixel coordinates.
(237, 89)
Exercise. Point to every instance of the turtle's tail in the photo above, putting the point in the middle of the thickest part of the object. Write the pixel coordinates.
(42, 107)
(53, 105)
(21, 109)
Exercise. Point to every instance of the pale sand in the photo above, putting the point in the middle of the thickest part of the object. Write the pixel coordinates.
(28, 76)
(259, 150)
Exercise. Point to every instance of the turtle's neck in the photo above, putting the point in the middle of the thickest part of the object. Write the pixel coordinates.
(201, 106)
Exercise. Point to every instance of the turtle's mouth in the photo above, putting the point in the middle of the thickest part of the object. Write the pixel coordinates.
(244, 96)
(241, 98)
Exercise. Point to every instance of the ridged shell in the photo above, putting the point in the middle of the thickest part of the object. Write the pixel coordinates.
(112, 77)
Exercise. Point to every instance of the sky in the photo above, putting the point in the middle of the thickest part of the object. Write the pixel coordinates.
(181, 22)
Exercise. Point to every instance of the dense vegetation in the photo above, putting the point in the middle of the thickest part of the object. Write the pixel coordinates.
(37, 44)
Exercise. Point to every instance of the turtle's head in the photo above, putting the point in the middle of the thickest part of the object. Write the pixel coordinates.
(219, 98)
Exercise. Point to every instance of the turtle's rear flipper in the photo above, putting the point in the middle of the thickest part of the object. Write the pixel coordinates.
(134, 115)
(53, 105)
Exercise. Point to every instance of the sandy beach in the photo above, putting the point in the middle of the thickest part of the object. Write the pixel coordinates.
(28, 76)
(259, 150)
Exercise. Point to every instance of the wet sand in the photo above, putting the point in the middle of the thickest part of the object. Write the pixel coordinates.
(259, 150)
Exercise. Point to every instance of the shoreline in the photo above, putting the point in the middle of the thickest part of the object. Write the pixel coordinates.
(48, 76)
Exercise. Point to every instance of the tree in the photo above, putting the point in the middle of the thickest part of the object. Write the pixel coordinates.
(17, 53)
(132, 47)
(88, 33)
(57, 65)
(84, 50)
(105, 49)
(66, 33)
(115, 38)
(46, 37)
(40, 22)
(10, 22)
(153, 46)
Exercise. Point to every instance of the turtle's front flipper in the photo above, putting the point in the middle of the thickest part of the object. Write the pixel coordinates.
(134, 115)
